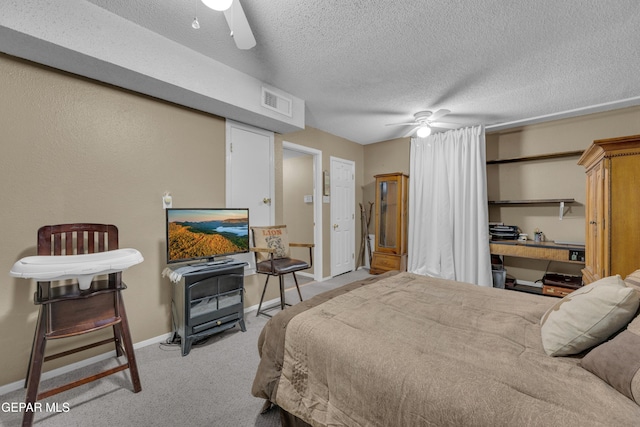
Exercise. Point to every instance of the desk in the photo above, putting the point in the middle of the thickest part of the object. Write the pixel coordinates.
(572, 254)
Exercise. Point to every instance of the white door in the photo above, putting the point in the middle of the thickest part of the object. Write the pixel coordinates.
(342, 188)
(250, 174)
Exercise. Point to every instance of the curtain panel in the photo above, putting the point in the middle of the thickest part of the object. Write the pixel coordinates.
(448, 213)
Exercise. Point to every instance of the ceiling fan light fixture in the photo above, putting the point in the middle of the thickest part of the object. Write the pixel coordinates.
(423, 131)
(219, 5)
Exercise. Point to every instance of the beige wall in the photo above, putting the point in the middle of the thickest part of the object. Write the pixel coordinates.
(383, 157)
(297, 181)
(541, 179)
(558, 178)
(76, 150)
(331, 146)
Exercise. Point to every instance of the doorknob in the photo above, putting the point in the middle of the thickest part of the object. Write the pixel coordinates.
(335, 226)
(266, 200)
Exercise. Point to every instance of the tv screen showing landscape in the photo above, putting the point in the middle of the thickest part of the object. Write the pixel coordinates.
(199, 234)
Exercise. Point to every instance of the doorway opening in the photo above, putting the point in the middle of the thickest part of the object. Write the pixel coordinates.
(302, 199)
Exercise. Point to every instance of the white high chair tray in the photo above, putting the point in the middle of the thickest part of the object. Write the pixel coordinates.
(83, 267)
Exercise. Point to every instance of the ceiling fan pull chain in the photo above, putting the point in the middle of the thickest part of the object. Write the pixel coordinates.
(195, 24)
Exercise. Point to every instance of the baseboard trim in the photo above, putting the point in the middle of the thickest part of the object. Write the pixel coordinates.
(529, 283)
(8, 388)
(265, 304)
(17, 385)
(275, 301)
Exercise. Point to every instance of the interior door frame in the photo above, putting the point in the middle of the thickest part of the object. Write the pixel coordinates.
(317, 203)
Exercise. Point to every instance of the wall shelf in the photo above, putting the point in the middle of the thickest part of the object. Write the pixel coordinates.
(537, 157)
(531, 202)
(561, 202)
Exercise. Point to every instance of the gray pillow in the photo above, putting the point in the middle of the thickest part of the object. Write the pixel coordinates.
(618, 361)
(633, 280)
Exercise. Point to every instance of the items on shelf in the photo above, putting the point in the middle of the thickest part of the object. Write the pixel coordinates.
(562, 280)
(504, 232)
(538, 236)
(560, 285)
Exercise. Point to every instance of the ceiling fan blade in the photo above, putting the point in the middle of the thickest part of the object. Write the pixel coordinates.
(445, 125)
(411, 132)
(239, 26)
(402, 124)
(436, 115)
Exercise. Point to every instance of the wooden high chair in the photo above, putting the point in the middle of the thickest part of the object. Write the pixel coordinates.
(67, 311)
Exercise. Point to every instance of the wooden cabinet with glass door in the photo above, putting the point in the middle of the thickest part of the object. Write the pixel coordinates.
(391, 223)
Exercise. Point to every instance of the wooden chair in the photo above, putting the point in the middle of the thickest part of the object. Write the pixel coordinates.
(67, 311)
(271, 246)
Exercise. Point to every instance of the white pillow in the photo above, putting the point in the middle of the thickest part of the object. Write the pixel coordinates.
(588, 316)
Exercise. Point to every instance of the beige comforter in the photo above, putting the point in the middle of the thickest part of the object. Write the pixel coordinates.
(408, 350)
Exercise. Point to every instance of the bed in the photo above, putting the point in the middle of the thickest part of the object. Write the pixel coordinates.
(406, 350)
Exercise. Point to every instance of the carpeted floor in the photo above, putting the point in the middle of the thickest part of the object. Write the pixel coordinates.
(209, 387)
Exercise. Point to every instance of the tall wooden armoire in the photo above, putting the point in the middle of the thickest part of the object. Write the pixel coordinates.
(612, 235)
(391, 223)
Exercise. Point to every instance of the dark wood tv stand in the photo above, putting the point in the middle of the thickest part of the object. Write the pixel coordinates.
(206, 302)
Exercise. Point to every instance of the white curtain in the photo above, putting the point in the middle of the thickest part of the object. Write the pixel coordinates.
(448, 214)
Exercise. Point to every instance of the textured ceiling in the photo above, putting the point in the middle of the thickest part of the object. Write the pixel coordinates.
(361, 64)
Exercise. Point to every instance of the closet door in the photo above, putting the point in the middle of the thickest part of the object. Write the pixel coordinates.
(603, 244)
(595, 233)
(250, 181)
(622, 219)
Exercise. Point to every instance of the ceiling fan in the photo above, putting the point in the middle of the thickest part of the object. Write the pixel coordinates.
(425, 121)
(237, 20)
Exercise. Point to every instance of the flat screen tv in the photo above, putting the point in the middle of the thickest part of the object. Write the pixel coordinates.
(206, 234)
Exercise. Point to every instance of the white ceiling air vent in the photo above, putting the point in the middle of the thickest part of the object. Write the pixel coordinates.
(276, 102)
